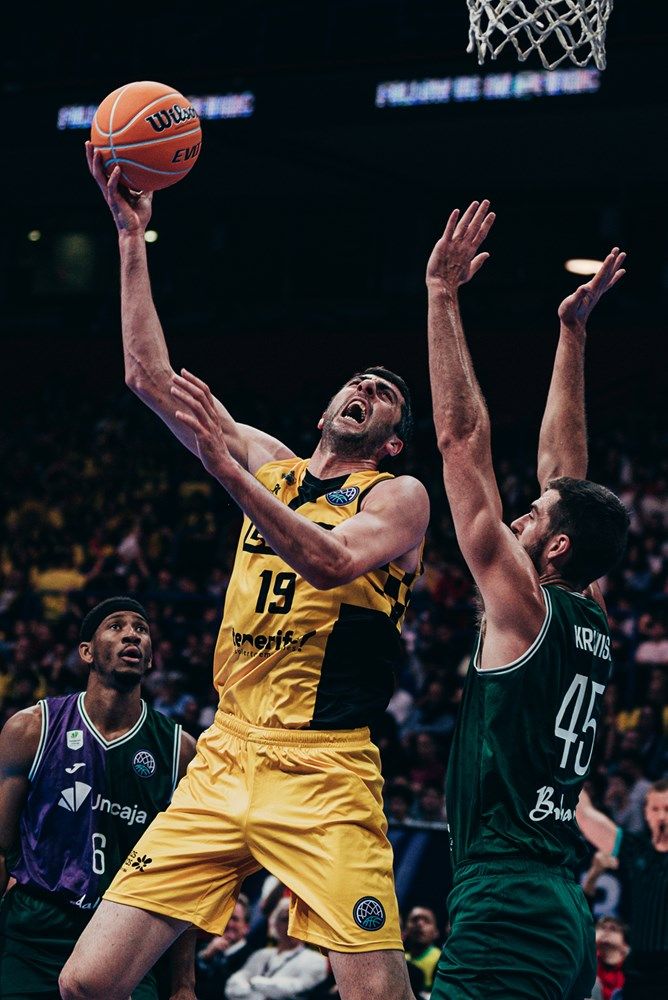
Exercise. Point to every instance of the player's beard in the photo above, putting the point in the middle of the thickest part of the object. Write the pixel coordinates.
(120, 680)
(124, 682)
(358, 445)
(534, 550)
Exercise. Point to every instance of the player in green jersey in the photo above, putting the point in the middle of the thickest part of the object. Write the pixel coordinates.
(530, 707)
(81, 777)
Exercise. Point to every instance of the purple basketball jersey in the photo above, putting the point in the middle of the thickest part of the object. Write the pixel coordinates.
(91, 799)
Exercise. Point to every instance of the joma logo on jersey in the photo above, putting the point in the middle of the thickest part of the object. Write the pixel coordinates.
(594, 642)
(267, 643)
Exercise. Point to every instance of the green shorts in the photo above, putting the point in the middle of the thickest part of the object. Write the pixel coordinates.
(520, 929)
(37, 937)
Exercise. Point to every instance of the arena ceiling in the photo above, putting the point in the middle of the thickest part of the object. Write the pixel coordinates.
(333, 201)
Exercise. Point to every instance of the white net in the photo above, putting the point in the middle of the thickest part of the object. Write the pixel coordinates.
(556, 29)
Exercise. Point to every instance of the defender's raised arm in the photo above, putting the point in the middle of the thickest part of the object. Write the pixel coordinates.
(504, 574)
(562, 445)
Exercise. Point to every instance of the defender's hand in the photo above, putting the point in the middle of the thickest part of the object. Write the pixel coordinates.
(202, 418)
(455, 258)
(131, 209)
(575, 310)
(602, 860)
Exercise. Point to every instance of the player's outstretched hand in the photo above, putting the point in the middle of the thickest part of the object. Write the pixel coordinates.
(455, 258)
(199, 413)
(602, 861)
(574, 311)
(131, 209)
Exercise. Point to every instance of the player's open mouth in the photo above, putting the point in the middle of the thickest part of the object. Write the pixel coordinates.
(131, 654)
(356, 410)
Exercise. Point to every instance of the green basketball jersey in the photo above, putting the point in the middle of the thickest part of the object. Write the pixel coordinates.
(524, 740)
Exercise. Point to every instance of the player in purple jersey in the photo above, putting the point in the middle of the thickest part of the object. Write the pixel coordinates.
(81, 777)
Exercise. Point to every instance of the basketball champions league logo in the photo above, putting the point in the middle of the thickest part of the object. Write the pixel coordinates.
(369, 913)
(341, 498)
(143, 764)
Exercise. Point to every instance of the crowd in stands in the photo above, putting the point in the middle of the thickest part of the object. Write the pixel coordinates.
(95, 506)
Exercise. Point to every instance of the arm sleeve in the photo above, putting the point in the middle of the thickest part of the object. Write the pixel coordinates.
(617, 846)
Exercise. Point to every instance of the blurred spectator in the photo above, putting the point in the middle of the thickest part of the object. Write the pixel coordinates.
(420, 936)
(630, 770)
(611, 952)
(434, 711)
(170, 699)
(618, 804)
(285, 971)
(430, 806)
(398, 801)
(426, 761)
(224, 955)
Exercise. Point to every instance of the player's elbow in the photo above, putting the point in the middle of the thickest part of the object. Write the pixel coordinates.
(322, 579)
(137, 383)
(72, 988)
(332, 570)
(464, 436)
(133, 382)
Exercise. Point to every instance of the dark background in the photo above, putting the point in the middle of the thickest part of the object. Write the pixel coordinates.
(295, 251)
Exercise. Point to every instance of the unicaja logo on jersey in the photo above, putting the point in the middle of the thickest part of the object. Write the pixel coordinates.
(339, 498)
(143, 764)
(73, 798)
(369, 913)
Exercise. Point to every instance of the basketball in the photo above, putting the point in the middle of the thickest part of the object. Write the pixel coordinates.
(151, 131)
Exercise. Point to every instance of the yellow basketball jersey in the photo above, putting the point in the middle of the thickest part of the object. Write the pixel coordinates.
(290, 655)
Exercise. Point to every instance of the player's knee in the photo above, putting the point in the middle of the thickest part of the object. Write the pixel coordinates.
(380, 987)
(379, 983)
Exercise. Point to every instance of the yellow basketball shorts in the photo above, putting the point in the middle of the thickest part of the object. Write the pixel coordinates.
(305, 805)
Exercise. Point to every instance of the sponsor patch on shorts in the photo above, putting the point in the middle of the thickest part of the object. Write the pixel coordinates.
(369, 913)
(136, 862)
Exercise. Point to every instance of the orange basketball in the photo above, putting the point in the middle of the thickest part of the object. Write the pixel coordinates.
(151, 131)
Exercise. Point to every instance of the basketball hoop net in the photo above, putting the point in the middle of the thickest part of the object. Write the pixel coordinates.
(556, 29)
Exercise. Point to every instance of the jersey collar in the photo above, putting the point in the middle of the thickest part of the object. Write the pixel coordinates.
(107, 744)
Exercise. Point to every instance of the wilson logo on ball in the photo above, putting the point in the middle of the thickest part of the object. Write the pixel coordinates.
(170, 116)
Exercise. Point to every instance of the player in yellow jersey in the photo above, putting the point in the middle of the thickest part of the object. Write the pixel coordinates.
(286, 778)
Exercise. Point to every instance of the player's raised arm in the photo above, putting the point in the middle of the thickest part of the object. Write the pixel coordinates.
(19, 741)
(562, 444)
(148, 369)
(499, 565)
